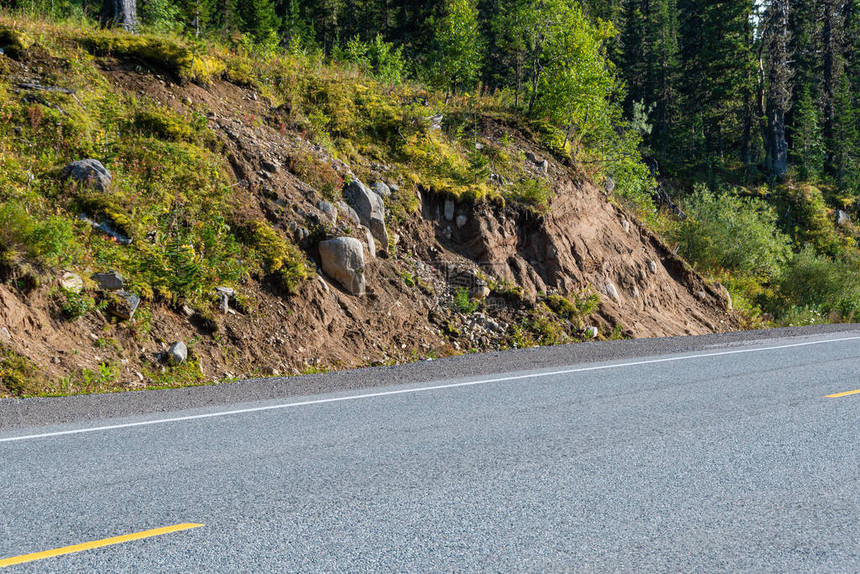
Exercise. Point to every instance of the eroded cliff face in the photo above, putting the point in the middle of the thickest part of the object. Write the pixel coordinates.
(584, 242)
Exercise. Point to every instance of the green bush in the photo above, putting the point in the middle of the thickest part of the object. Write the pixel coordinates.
(726, 231)
(533, 193)
(576, 307)
(463, 302)
(820, 283)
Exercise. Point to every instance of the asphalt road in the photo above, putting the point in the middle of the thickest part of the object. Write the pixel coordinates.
(726, 458)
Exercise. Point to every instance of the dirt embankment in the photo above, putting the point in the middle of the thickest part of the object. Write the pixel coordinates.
(583, 243)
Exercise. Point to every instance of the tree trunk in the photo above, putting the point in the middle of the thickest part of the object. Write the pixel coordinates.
(120, 13)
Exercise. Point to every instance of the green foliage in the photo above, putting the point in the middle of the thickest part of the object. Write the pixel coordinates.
(459, 46)
(19, 377)
(727, 231)
(52, 241)
(574, 307)
(378, 57)
(74, 305)
(820, 283)
(278, 256)
(318, 174)
(533, 193)
(158, 51)
(807, 217)
(463, 302)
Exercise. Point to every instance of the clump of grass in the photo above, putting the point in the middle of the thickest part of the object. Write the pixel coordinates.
(533, 193)
(278, 256)
(19, 377)
(575, 307)
(316, 173)
(158, 51)
(73, 304)
(463, 302)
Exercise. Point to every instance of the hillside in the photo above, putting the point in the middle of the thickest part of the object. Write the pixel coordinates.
(233, 184)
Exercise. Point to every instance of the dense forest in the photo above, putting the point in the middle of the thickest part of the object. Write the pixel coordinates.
(730, 90)
(732, 127)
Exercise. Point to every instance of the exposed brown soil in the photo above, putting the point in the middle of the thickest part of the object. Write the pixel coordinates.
(584, 241)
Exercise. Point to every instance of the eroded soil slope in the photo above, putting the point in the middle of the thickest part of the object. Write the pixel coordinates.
(509, 261)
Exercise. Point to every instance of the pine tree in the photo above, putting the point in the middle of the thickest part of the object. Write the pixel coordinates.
(807, 149)
(776, 44)
(259, 21)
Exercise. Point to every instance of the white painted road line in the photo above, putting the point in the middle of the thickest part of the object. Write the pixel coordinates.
(420, 390)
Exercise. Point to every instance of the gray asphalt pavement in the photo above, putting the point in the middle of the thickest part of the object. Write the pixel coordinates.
(723, 458)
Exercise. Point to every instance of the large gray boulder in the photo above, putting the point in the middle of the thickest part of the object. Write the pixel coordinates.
(370, 208)
(89, 173)
(343, 260)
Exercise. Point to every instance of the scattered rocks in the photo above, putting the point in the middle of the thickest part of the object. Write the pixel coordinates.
(72, 282)
(343, 260)
(461, 221)
(90, 173)
(112, 281)
(369, 207)
(177, 353)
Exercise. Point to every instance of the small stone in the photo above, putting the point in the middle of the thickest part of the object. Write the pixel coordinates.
(223, 303)
(449, 210)
(612, 292)
(269, 166)
(228, 291)
(123, 304)
(89, 172)
(187, 311)
(626, 225)
(72, 282)
(609, 184)
(329, 210)
(543, 167)
(371, 243)
(8, 335)
(652, 266)
(591, 332)
(177, 353)
(381, 189)
(461, 221)
(112, 281)
(842, 218)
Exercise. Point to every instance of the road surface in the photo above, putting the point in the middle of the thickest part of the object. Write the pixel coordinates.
(731, 457)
